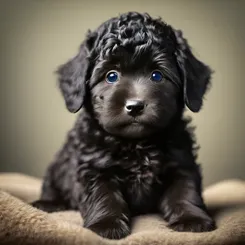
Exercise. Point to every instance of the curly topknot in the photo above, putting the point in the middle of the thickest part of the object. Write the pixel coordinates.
(132, 30)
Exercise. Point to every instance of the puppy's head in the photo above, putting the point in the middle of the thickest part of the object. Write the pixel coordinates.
(135, 73)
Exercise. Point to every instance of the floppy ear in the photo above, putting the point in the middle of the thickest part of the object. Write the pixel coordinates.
(195, 74)
(73, 75)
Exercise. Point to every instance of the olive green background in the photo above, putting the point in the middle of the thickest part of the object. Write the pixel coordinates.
(36, 36)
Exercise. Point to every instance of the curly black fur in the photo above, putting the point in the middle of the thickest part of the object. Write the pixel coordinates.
(113, 165)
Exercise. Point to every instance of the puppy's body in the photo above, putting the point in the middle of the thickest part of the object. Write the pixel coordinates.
(139, 168)
(115, 164)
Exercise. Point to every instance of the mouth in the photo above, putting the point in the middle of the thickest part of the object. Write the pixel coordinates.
(131, 128)
(134, 122)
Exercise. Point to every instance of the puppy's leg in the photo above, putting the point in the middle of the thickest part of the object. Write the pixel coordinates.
(50, 200)
(182, 204)
(49, 205)
(103, 208)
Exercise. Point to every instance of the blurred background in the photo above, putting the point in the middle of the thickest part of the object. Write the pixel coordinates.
(38, 35)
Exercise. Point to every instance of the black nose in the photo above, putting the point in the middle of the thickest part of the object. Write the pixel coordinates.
(134, 107)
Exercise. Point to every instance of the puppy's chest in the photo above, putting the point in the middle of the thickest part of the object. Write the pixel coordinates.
(142, 176)
(132, 165)
(142, 169)
(137, 170)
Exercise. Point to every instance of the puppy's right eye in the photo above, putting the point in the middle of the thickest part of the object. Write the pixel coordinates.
(156, 76)
(112, 77)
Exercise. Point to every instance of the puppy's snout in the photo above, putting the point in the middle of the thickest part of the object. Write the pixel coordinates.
(134, 107)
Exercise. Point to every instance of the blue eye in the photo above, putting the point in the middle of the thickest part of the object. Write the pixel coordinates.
(156, 76)
(112, 77)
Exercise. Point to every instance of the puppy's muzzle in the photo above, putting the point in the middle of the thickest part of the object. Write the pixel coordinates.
(134, 107)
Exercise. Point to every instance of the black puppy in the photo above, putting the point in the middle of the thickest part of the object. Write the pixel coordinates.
(130, 151)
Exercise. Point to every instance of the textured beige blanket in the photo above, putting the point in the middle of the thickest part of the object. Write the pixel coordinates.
(22, 224)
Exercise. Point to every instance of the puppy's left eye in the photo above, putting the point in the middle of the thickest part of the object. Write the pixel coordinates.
(112, 77)
(156, 76)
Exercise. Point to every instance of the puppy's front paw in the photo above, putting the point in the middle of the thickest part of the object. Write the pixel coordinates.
(111, 230)
(49, 206)
(192, 224)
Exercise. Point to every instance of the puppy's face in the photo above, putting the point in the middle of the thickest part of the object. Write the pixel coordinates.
(135, 72)
(135, 94)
